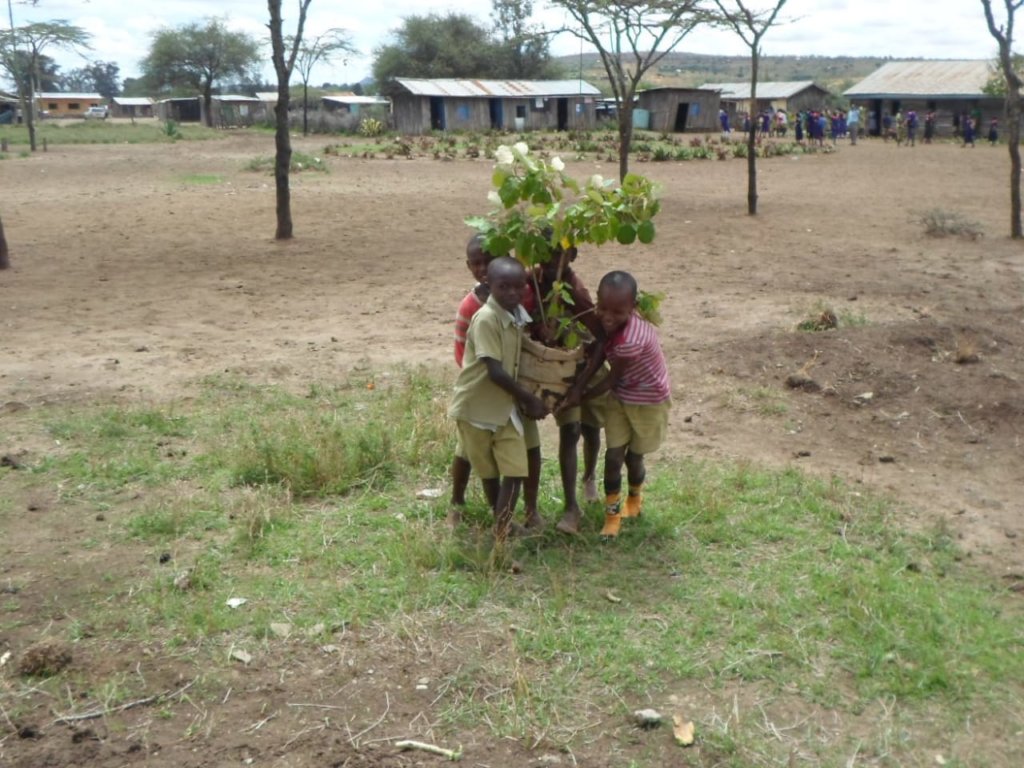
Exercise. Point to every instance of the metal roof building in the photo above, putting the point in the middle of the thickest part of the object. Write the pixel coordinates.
(497, 88)
(769, 90)
(790, 95)
(421, 105)
(924, 79)
(951, 91)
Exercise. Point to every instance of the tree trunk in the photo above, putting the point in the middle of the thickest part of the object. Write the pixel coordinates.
(752, 137)
(282, 164)
(208, 104)
(305, 109)
(625, 134)
(5, 260)
(1013, 138)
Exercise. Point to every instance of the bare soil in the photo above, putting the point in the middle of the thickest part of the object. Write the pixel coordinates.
(130, 280)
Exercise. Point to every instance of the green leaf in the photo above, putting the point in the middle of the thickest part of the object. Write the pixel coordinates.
(626, 234)
(645, 232)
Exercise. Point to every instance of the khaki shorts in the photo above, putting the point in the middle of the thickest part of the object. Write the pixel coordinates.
(531, 433)
(494, 454)
(460, 452)
(639, 427)
(591, 411)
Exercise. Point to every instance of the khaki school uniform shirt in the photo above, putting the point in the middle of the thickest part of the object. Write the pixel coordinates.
(494, 333)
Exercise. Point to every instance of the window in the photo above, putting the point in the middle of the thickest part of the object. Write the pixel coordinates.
(74, 105)
(51, 106)
(520, 110)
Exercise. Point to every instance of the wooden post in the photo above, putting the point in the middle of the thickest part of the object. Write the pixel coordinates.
(3, 144)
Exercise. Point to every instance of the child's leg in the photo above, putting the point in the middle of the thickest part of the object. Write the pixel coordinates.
(568, 438)
(636, 472)
(613, 461)
(591, 449)
(460, 480)
(492, 486)
(508, 494)
(531, 488)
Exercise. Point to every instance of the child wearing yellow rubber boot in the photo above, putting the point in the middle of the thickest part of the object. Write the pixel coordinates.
(636, 412)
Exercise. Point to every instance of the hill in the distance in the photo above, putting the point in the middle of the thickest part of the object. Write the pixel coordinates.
(688, 70)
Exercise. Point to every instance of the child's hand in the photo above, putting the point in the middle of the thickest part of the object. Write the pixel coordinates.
(571, 400)
(534, 407)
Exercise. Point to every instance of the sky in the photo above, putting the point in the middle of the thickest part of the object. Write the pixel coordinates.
(121, 29)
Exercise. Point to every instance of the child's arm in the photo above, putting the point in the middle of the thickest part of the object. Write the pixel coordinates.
(532, 405)
(577, 392)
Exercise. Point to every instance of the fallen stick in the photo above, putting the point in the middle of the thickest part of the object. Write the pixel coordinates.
(129, 705)
(451, 754)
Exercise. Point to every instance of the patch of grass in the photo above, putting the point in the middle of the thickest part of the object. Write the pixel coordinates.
(202, 179)
(106, 132)
(300, 162)
(940, 223)
(735, 578)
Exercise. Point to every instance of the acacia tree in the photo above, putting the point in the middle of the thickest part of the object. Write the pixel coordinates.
(103, 77)
(21, 53)
(453, 45)
(199, 56)
(284, 54)
(321, 49)
(631, 36)
(1003, 34)
(750, 26)
(525, 46)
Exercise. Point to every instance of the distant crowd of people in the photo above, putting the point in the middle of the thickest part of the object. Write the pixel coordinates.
(818, 125)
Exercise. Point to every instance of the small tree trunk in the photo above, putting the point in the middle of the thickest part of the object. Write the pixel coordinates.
(1013, 138)
(282, 165)
(305, 109)
(625, 135)
(752, 138)
(5, 260)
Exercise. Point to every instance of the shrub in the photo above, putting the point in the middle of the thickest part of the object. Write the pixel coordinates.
(371, 126)
(940, 223)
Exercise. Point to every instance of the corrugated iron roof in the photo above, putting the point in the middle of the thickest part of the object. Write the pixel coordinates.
(924, 78)
(780, 89)
(351, 98)
(529, 89)
(80, 96)
(234, 97)
(133, 101)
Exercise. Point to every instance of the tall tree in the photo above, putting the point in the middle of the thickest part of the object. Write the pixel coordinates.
(1002, 31)
(320, 50)
(631, 36)
(453, 45)
(284, 54)
(103, 77)
(750, 26)
(21, 52)
(525, 46)
(200, 56)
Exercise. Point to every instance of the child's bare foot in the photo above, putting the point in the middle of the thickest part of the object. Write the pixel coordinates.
(590, 495)
(534, 522)
(454, 519)
(570, 522)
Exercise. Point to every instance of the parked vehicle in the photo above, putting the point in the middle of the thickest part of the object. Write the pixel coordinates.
(97, 113)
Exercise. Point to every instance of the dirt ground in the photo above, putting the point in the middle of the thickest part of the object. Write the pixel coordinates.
(130, 280)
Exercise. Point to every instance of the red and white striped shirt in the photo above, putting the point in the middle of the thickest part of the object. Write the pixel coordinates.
(644, 371)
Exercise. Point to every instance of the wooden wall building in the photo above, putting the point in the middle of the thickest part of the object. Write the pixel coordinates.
(680, 110)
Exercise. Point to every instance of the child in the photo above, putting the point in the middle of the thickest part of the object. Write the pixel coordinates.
(993, 131)
(487, 399)
(477, 260)
(636, 414)
(585, 421)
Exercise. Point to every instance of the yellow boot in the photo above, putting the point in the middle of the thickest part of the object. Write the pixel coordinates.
(612, 518)
(634, 501)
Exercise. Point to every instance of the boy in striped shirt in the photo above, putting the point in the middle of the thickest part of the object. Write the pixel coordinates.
(636, 413)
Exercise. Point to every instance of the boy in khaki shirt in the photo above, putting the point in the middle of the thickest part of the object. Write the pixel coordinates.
(488, 402)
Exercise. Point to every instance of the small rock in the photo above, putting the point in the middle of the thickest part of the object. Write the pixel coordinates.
(239, 655)
(183, 580)
(235, 602)
(10, 589)
(429, 493)
(1011, 534)
(647, 718)
(281, 629)
(143, 348)
(549, 760)
(100, 517)
(887, 459)
(801, 454)
(165, 557)
(864, 397)
(7, 460)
